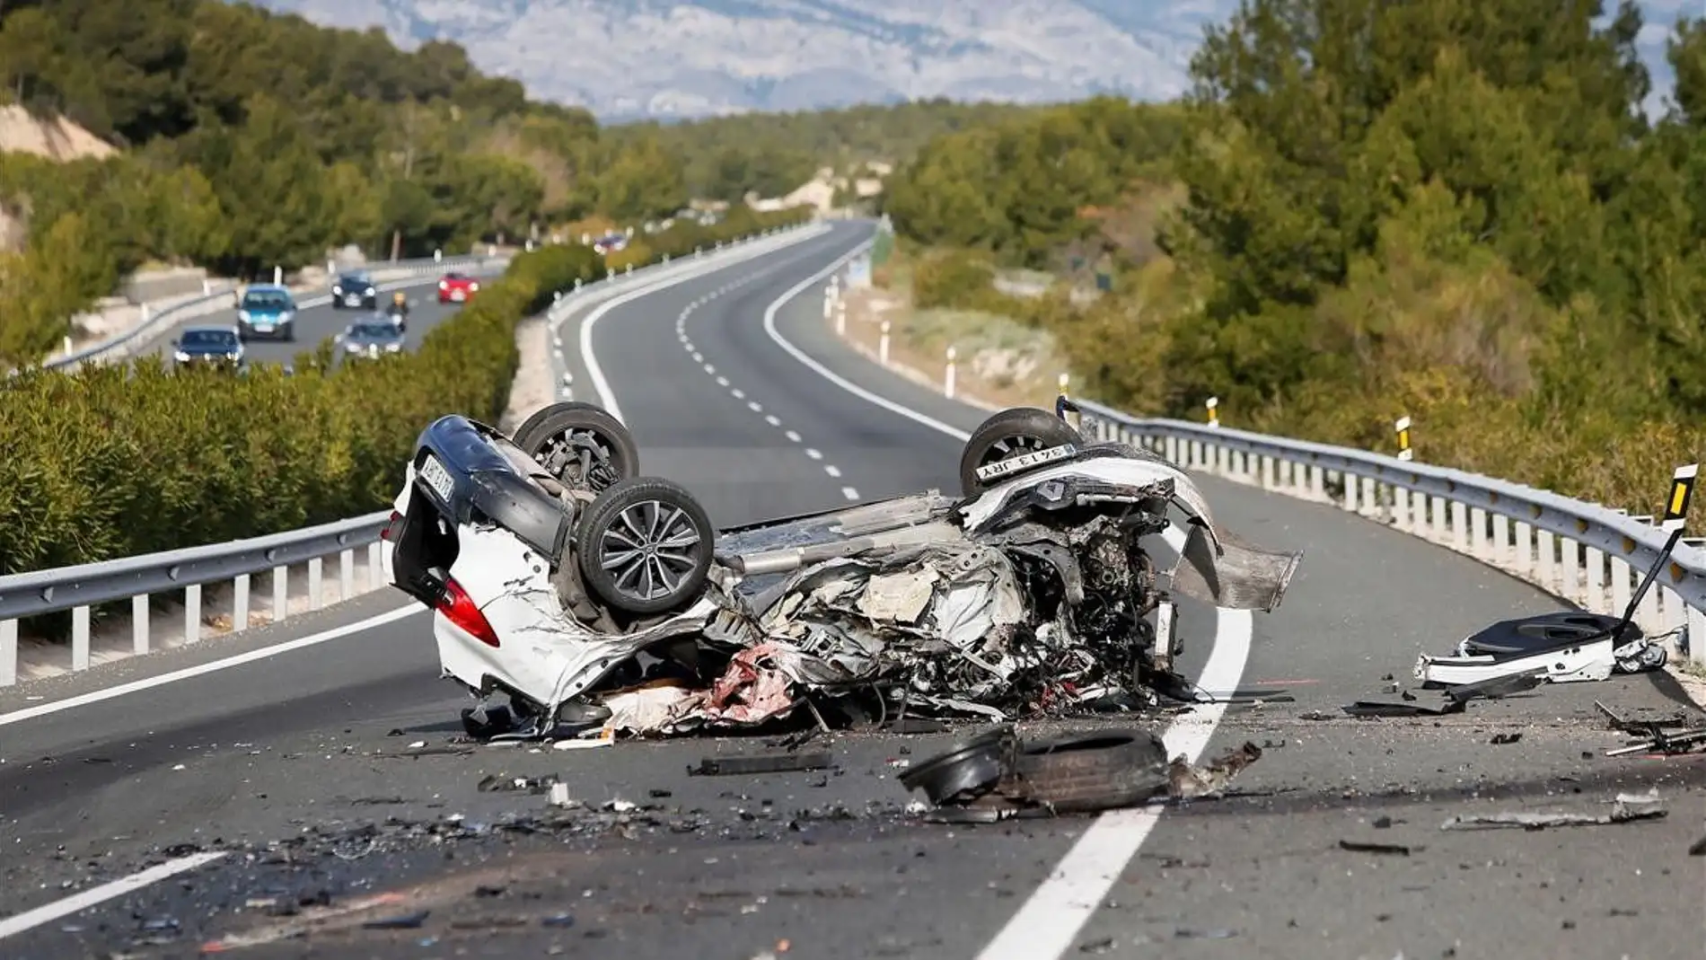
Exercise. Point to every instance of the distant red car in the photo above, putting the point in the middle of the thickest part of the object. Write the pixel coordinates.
(457, 288)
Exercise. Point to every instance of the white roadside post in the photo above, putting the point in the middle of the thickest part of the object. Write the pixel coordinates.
(1402, 428)
(1061, 383)
(1213, 405)
(948, 375)
(841, 318)
(883, 345)
(277, 275)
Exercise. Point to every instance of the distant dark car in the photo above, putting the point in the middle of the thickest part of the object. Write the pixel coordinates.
(372, 338)
(354, 290)
(457, 288)
(221, 346)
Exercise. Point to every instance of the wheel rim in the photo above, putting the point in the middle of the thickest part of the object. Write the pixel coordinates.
(580, 458)
(648, 549)
(1011, 447)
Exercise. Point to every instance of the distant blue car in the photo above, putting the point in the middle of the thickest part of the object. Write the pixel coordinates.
(267, 310)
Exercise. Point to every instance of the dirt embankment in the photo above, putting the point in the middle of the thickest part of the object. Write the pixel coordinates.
(55, 138)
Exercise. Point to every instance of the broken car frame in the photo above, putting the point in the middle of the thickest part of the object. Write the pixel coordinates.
(554, 569)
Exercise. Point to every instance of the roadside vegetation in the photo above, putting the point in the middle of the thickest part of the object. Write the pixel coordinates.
(254, 139)
(114, 461)
(1451, 209)
(770, 154)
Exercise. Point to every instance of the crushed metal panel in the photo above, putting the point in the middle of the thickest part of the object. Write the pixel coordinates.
(1241, 578)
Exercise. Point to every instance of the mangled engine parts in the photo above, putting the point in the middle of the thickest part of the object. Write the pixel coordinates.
(997, 775)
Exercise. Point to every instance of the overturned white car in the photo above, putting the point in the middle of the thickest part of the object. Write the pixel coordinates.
(586, 593)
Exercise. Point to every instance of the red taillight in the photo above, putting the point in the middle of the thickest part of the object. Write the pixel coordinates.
(390, 526)
(459, 609)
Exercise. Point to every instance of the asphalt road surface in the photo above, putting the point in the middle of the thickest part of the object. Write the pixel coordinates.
(317, 323)
(328, 775)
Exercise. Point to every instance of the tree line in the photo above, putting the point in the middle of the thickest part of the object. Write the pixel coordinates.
(1451, 209)
(252, 139)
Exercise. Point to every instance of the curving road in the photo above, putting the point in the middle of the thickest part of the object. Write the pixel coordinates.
(317, 740)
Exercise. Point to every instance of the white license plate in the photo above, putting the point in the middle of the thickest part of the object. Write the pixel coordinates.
(458, 295)
(437, 478)
(352, 300)
(1026, 461)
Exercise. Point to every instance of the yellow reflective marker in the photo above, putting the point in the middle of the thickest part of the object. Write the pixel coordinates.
(1681, 491)
(1402, 426)
(1213, 412)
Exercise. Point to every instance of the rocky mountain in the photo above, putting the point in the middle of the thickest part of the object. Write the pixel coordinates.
(633, 59)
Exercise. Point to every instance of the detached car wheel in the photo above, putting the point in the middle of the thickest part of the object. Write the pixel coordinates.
(645, 546)
(580, 444)
(1010, 433)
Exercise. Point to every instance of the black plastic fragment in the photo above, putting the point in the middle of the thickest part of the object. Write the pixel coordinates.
(1495, 687)
(763, 763)
(1363, 846)
(408, 921)
(1386, 708)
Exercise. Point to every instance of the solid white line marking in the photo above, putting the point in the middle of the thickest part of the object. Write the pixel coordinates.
(850, 493)
(754, 406)
(814, 454)
(770, 418)
(739, 394)
(832, 469)
(30, 919)
(722, 381)
(1046, 925)
(147, 683)
(710, 369)
(700, 358)
(795, 437)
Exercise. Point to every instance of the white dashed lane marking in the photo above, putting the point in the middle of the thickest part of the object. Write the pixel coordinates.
(687, 344)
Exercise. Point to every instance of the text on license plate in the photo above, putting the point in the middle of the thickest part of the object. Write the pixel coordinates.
(1025, 461)
(436, 477)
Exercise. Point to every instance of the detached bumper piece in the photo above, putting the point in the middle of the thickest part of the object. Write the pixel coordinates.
(1567, 647)
(997, 775)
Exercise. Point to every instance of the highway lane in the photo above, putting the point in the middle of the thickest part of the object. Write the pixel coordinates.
(303, 737)
(317, 323)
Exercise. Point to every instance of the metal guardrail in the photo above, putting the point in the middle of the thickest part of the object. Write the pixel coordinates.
(154, 321)
(237, 562)
(1584, 553)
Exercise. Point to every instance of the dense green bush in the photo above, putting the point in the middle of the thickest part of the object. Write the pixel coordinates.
(115, 461)
(1455, 210)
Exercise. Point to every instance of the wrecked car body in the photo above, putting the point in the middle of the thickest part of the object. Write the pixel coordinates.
(556, 571)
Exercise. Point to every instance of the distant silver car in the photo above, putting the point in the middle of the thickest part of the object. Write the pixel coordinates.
(372, 338)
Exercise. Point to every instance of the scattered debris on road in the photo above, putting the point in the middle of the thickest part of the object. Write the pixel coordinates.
(997, 775)
(1627, 808)
(766, 763)
(1363, 846)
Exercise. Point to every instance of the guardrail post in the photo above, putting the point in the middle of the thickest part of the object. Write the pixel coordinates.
(1267, 468)
(1478, 534)
(80, 638)
(1593, 564)
(240, 603)
(375, 566)
(1620, 588)
(316, 580)
(280, 593)
(1543, 543)
(140, 623)
(1401, 510)
(8, 652)
(346, 574)
(1570, 570)
(1501, 540)
(1436, 518)
(1460, 526)
(1317, 482)
(1350, 495)
(1522, 558)
(192, 613)
(1696, 637)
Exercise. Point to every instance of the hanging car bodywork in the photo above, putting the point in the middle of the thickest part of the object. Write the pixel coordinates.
(554, 569)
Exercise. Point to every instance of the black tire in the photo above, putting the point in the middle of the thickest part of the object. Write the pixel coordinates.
(1097, 771)
(1011, 432)
(580, 444)
(662, 512)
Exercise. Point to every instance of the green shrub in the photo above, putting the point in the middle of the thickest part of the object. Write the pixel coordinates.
(114, 461)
